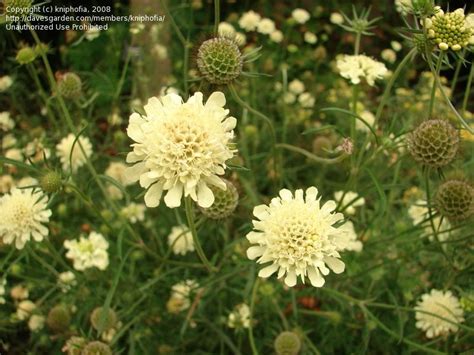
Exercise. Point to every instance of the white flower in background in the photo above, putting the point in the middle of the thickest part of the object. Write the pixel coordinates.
(350, 200)
(36, 322)
(36, 151)
(134, 212)
(225, 29)
(396, 46)
(266, 26)
(306, 100)
(389, 55)
(77, 158)
(404, 6)
(300, 15)
(6, 183)
(116, 170)
(66, 280)
(6, 123)
(26, 181)
(419, 213)
(336, 18)
(92, 33)
(368, 117)
(159, 51)
(19, 292)
(289, 97)
(276, 36)
(8, 141)
(181, 292)
(136, 28)
(249, 21)
(166, 90)
(441, 304)
(181, 240)
(22, 215)
(14, 154)
(296, 86)
(240, 38)
(348, 238)
(239, 317)
(357, 67)
(5, 83)
(298, 237)
(24, 309)
(181, 148)
(310, 37)
(3, 283)
(88, 252)
(114, 119)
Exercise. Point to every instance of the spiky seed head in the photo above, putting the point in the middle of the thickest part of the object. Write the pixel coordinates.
(74, 345)
(422, 44)
(103, 319)
(219, 60)
(51, 182)
(225, 202)
(25, 55)
(70, 85)
(287, 343)
(455, 200)
(96, 348)
(434, 143)
(59, 319)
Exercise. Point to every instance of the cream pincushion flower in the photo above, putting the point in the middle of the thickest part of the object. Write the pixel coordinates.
(5, 83)
(350, 200)
(298, 237)
(88, 252)
(6, 123)
(181, 148)
(300, 15)
(249, 21)
(239, 317)
(22, 215)
(134, 212)
(442, 304)
(358, 67)
(349, 239)
(266, 26)
(420, 214)
(116, 170)
(180, 296)
(181, 240)
(77, 158)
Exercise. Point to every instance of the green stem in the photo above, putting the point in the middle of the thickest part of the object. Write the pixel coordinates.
(217, 13)
(252, 307)
(467, 93)
(327, 161)
(192, 227)
(357, 43)
(433, 89)
(456, 73)
(173, 23)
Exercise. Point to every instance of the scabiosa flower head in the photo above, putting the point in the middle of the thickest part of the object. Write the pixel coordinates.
(455, 200)
(22, 215)
(25, 55)
(249, 20)
(219, 60)
(51, 182)
(66, 280)
(349, 201)
(76, 159)
(59, 318)
(266, 26)
(225, 202)
(70, 86)
(116, 170)
(102, 319)
(358, 67)
(134, 212)
(336, 18)
(88, 252)
(300, 15)
(25, 309)
(181, 240)
(36, 322)
(96, 348)
(287, 343)
(450, 30)
(181, 148)
(225, 29)
(434, 143)
(298, 237)
(181, 293)
(296, 86)
(74, 345)
(467, 302)
(240, 317)
(348, 240)
(442, 304)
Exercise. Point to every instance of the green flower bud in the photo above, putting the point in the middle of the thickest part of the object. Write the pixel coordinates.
(51, 182)
(59, 319)
(225, 202)
(25, 55)
(219, 60)
(103, 319)
(70, 86)
(287, 343)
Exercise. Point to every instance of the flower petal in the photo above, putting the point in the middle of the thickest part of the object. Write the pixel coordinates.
(315, 277)
(205, 196)
(153, 195)
(173, 197)
(217, 98)
(268, 271)
(290, 279)
(255, 251)
(335, 264)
